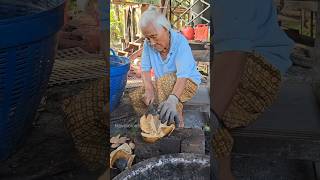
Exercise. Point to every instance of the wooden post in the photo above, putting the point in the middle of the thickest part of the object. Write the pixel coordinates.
(134, 24)
(170, 12)
(127, 26)
(311, 24)
(301, 21)
(131, 24)
(304, 20)
(316, 68)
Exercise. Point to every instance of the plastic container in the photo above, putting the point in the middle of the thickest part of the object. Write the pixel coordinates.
(28, 33)
(201, 32)
(119, 67)
(188, 32)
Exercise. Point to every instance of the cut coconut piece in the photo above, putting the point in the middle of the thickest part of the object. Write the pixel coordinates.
(153, 129)
(115, 139)
(132, 145)
(125, 152)
(121, 154)
(123, 140)
(125, 147)
(115, 145)
(150, 138)
(166, 130)
(148, 124)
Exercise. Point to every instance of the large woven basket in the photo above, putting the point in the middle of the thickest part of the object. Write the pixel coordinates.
(28, 38)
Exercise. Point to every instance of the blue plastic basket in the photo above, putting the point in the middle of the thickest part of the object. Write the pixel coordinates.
(28, 40)
(119, 67)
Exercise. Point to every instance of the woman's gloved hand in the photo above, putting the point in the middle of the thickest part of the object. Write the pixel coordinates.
(168, 110)
(149, 96)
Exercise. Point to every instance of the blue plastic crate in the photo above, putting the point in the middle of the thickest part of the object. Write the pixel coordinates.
(119, 67)
(28, 41)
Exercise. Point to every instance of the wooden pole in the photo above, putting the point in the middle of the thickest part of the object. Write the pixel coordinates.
(316, 68)
(301, 22)
(131, 24)
(311, 24)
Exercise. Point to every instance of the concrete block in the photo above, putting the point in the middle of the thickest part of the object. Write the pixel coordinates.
(180, 141)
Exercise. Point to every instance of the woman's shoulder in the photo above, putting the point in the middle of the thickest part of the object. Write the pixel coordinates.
(180, 40)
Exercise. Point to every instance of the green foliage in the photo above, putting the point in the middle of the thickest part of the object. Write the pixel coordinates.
(72, 5)
(147, 1)
(116, 24)
(297, 26)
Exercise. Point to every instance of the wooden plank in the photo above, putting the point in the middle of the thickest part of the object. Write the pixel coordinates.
(135, 44)
(316, 72)
(311, 24)
(122, 53)
(287, 18)
(132, 24)
(301, 60)
(298, 5)
(136, 54)
(121, 2)
(308, 48)
(289, 12)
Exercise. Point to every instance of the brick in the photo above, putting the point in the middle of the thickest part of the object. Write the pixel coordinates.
(170, 145)
(195, 143)
(180, 141)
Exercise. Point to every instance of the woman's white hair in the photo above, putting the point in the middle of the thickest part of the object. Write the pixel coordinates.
(152, 15)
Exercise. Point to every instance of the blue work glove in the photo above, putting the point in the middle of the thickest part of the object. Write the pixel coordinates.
(168, 111)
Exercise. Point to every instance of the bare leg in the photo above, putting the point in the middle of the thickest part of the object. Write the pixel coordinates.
(181, 120)
(224, 168)
(227, 71)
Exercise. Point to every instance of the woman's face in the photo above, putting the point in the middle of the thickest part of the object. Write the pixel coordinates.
(157, 37)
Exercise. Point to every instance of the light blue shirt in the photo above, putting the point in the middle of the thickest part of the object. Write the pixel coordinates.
(179, 59)
(251, 26)
(103, 6)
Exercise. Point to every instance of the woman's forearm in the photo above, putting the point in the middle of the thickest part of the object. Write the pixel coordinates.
(179, 86)
(146, 76)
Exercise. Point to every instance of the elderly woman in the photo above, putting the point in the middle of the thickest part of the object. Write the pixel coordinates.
(168, 53)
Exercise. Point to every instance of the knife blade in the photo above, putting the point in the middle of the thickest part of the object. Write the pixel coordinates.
(151, 109)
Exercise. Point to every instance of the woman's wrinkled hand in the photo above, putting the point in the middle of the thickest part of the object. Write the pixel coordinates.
(149, 96)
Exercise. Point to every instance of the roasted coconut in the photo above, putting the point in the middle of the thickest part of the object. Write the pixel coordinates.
(122, 154)
(153, 129)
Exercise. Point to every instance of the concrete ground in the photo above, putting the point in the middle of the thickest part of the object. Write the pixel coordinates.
(253, 168)
(48, 151)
